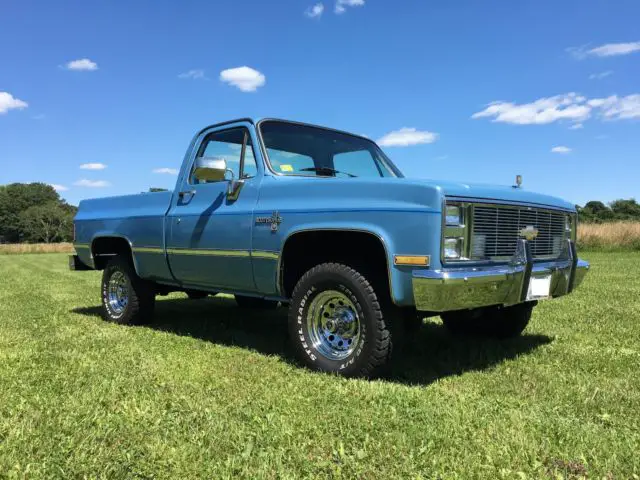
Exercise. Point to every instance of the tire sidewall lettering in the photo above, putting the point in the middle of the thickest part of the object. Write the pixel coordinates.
(302, 333)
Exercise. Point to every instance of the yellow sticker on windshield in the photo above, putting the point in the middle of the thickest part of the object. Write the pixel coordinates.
(286, 168)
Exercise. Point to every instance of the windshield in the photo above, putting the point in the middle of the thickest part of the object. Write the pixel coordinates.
(295, 149)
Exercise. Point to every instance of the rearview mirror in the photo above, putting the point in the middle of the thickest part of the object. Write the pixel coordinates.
(210, 169)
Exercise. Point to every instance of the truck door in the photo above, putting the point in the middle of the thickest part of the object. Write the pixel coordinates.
(209, 230)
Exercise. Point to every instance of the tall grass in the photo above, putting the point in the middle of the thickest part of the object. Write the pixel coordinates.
(17, 248)
(609, 236)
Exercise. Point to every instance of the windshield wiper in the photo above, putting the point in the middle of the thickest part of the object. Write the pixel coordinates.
(327, 170)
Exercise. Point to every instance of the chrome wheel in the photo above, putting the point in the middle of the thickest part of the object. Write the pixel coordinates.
(333, 325)
(118, 293)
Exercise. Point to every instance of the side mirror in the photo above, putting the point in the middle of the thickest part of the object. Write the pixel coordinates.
(210, 169)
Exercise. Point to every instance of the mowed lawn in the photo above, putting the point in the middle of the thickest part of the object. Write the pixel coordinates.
(211, 391)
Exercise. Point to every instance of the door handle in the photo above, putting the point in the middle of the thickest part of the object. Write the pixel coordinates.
(186, 192)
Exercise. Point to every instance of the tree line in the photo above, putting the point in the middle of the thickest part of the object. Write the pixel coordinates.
(34, 213)
(616, 211)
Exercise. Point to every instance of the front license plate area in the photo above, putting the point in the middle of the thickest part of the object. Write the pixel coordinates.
(539, 288)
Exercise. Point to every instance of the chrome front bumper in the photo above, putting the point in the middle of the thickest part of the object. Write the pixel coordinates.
(464, 288)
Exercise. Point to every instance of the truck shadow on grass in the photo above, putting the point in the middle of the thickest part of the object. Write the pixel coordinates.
(427, 355)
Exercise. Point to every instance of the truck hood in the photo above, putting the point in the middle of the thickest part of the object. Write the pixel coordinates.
(499, 193)
(330, 193)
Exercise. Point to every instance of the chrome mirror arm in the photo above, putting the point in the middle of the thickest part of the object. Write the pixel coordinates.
(234, 187)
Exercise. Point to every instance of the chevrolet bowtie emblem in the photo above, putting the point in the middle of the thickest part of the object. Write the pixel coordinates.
(529, 232)
(275, 220)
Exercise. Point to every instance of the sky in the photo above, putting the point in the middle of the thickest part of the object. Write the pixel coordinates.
(102, 98)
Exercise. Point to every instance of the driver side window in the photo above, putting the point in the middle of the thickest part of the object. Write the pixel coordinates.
(227, 144)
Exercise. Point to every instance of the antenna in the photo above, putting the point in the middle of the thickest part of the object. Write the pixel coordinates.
(518, 182)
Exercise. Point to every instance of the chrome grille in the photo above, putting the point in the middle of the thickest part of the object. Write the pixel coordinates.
(496, 230)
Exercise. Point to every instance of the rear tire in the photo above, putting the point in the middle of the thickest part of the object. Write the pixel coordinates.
(336, 322)
(126, 298)
(509, 322)
(255, 302)
(464, 322)
(495, 322)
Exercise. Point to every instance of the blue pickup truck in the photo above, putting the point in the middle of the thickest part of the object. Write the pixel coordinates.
(275, 211)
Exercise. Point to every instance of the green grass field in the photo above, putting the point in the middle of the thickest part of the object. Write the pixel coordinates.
(211, 391)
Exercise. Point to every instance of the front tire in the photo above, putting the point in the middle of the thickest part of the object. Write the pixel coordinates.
(336, 323)
(126, 298)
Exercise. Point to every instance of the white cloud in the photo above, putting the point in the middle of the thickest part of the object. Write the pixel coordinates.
(195, 74)
(82, 64)
(40, 116)
(9, 102)
(406, 137)
(578, 52)
(342, 4)
(561, 149)
(569, 106)
(59, 188)
(93, 166)
(576, 126)
(168, 171)
(545, 110)
(618, 108)
(601, 75)
(92, 183)
(245, 78)
(315, 11)
(612, 49)
(607, 50)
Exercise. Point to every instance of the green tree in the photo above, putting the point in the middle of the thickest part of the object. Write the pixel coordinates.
(626, 209)
(46, 223)
(595, 206)
(595, 211)
(18, 197)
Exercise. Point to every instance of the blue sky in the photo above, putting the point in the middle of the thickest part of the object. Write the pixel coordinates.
(455, 90)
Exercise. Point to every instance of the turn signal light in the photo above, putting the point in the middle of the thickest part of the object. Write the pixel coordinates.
(417, 260)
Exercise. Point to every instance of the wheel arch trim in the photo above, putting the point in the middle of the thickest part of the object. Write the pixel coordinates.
(308, 229)
(115, 236)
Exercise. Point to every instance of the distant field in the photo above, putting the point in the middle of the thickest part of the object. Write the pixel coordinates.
(609, 236)
(12, 248)
(211, 391)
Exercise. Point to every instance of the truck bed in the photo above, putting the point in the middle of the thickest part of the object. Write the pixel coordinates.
(139, 218)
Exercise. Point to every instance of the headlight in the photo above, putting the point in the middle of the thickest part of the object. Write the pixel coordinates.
(453, 215)
(455, 231)
(452, 248)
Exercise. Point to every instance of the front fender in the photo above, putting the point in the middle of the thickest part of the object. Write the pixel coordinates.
(409, 233)
(405, 215)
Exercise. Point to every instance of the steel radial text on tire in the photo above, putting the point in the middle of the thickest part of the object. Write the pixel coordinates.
(336, 322)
